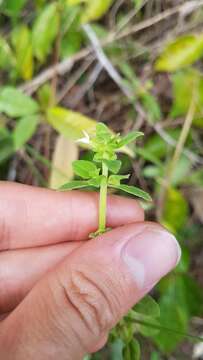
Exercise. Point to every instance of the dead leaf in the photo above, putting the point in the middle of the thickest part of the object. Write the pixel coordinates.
(66, 151)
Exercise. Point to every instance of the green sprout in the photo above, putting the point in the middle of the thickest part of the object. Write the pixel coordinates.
(102, 172)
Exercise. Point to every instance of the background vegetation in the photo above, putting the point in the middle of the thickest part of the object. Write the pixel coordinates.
(133, 64)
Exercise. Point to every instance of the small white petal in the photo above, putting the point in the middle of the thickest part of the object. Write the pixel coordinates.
(86, 134)
(83, 140)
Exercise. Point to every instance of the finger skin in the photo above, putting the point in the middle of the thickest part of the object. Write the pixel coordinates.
(70, 312)
(21, 269)
(31, 217)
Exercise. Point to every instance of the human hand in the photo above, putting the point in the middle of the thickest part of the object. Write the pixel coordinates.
(63, 293)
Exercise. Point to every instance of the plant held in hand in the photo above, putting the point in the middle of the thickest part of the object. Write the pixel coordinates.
(102, 172)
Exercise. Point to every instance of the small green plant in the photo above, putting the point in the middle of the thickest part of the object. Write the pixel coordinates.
(103, 172)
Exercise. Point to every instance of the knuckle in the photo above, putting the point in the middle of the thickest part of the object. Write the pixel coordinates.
(96, 310)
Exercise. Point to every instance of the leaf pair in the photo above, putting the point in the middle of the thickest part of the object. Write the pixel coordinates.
(104, 144)
(78, 184)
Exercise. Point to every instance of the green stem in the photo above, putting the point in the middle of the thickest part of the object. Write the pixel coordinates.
(103, 199)
(164, 328)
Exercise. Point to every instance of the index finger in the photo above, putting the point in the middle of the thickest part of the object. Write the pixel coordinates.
(31, 217)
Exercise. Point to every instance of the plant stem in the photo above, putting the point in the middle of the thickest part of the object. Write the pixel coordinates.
(164, 328)
(103, 199)
(176, 157)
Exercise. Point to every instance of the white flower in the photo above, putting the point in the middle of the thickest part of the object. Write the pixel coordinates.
(85, 140)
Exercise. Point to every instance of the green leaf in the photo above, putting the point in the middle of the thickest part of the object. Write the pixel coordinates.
(102, 131)
(76, 2)
(133, 191)
(157, 147)
(148, 306)
(16, 104)
(73, 185)
(44, 31)
(181, 171)
(12, 7)
(176, 210)
(87, 357)
(116, 179)
(180, 174)
(149, 156)
(151, 171)
(184, 84)
(96, 181)
(138, 4)
(113, 165)
(173, 316)
(170, 330)
(71, 43)
(4, 132)
(132, 350)
(152, 107)
(155, 356)
(45, 96)
(184, 264)
(95, 10)
(184, 51)
(148, 311)
(131, 77)
(146, 325)
(132, 136)
(21, 40)
(69, 123)
(7, 59)
(24, 130)
(183, 291)
(116, 350)
(193, 295)
(85, 169)
(100, 30)
(196, 178)
(7, 148)
(72, 33)
(72, 124)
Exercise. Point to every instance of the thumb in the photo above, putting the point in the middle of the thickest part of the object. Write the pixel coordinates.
(71, 311)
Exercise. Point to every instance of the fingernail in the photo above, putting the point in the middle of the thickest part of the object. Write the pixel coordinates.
(150, 255)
